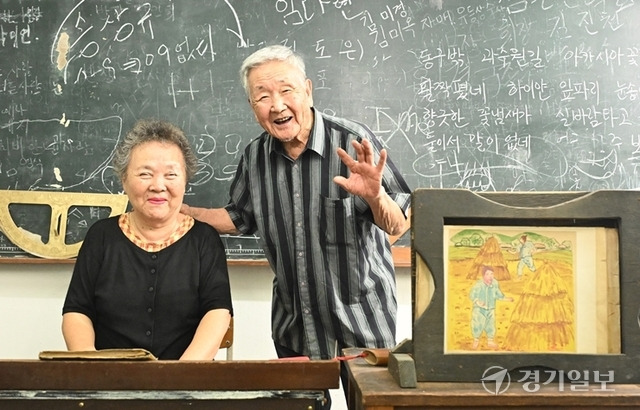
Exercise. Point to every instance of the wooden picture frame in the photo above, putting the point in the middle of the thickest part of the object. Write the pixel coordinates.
(610, 220)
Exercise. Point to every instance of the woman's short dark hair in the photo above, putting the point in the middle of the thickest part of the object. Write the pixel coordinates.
(147, 130)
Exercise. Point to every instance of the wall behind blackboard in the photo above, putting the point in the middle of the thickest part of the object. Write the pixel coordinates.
(490, 96)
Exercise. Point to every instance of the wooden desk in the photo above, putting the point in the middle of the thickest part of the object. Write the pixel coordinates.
(373, 388)
(36, 384)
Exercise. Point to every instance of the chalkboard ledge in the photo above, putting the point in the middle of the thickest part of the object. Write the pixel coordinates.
(401, 259)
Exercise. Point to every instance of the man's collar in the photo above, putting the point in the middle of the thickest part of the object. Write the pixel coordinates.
(316, 136)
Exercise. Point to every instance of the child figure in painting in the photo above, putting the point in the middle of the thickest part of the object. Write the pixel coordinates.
(526, 251)
(484, 294)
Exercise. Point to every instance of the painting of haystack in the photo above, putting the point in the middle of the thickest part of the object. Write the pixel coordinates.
(542, 320)
(536, 312)
(490, 255)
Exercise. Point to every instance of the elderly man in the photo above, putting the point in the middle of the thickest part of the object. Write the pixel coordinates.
(322, 195)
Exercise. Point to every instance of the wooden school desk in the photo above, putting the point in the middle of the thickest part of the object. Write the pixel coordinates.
(36, 384)
(373, 388)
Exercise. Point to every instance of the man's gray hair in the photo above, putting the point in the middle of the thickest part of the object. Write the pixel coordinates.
(266, 54)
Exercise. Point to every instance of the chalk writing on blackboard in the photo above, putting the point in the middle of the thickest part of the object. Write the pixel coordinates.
(521, 95)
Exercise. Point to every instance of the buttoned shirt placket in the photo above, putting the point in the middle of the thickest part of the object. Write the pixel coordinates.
(301, 256)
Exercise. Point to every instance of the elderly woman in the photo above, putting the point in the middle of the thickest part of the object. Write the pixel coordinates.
(151, 278)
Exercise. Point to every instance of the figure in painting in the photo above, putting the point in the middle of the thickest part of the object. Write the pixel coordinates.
(526, 259)
(484, 294)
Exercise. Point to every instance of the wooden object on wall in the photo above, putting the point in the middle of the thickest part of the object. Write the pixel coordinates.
(60, 203)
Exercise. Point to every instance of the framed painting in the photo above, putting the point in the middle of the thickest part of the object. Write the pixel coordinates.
(522, 281)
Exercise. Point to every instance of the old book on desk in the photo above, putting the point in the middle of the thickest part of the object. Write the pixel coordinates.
(104, 354)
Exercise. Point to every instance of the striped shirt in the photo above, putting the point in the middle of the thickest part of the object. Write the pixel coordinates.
(334, 283)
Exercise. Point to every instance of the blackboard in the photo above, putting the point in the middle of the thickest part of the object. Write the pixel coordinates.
(523, 95)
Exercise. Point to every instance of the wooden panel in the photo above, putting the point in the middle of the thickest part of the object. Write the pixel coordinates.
(169, 375)
(373, 387)
(433, 209)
